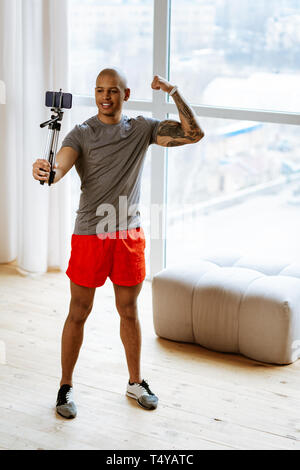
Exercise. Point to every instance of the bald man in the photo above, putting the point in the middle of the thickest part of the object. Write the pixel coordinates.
(108, 152)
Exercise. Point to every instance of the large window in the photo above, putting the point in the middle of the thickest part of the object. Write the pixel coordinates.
(237, 190)
(237, 63)
(242, 182)
(111, 33)
(237, 53)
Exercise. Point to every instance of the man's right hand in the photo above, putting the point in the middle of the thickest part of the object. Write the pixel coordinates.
(41, 169)
(64, 161)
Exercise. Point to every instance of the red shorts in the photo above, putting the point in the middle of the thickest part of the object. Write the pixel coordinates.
(118, 255)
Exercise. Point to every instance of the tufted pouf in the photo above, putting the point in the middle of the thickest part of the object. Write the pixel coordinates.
(236, 304)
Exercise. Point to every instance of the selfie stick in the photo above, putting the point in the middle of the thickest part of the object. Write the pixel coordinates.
(54, 127)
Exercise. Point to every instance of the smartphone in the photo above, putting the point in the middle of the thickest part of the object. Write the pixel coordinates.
(57, 99)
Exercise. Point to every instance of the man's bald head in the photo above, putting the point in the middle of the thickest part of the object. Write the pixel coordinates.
(110, 93)
(116, 74)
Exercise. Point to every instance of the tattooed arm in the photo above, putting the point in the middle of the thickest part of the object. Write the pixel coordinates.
(173, 133)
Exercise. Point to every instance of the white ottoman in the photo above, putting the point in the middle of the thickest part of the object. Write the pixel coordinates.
(232, 303)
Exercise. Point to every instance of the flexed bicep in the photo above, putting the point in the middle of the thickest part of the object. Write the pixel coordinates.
(170, 133)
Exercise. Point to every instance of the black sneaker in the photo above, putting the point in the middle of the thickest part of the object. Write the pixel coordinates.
(143, 395)
(65, 405)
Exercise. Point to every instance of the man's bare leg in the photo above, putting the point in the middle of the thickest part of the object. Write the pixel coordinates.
(80, 306)
(130, 330)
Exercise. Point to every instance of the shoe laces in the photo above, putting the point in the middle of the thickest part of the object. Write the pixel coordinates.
(145, 385)
(64, 394)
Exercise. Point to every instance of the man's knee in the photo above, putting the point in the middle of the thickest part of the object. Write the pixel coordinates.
(79, 309)
(81, 304)
(126, 300)
(127, 310)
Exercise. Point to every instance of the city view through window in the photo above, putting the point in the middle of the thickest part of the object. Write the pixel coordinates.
(239, 188)
(237, 53)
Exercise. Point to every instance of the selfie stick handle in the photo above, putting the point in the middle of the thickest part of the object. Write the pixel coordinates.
(51, 147)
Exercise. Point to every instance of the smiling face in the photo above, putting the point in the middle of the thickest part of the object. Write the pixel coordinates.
(110, 93)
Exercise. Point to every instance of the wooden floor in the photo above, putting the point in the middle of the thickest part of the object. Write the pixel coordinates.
(208, 400)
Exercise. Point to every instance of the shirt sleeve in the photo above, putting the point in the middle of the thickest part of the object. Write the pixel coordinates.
(74, 139)
(152, 127)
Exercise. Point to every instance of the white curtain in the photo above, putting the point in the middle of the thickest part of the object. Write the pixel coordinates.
(35, 220)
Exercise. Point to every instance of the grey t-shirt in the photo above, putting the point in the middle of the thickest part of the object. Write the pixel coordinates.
(110, 164)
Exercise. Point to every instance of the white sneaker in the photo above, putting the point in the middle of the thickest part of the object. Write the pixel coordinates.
(142, 394)
(65, 405)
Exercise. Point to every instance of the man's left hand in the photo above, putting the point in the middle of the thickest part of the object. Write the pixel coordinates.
(160, 83)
